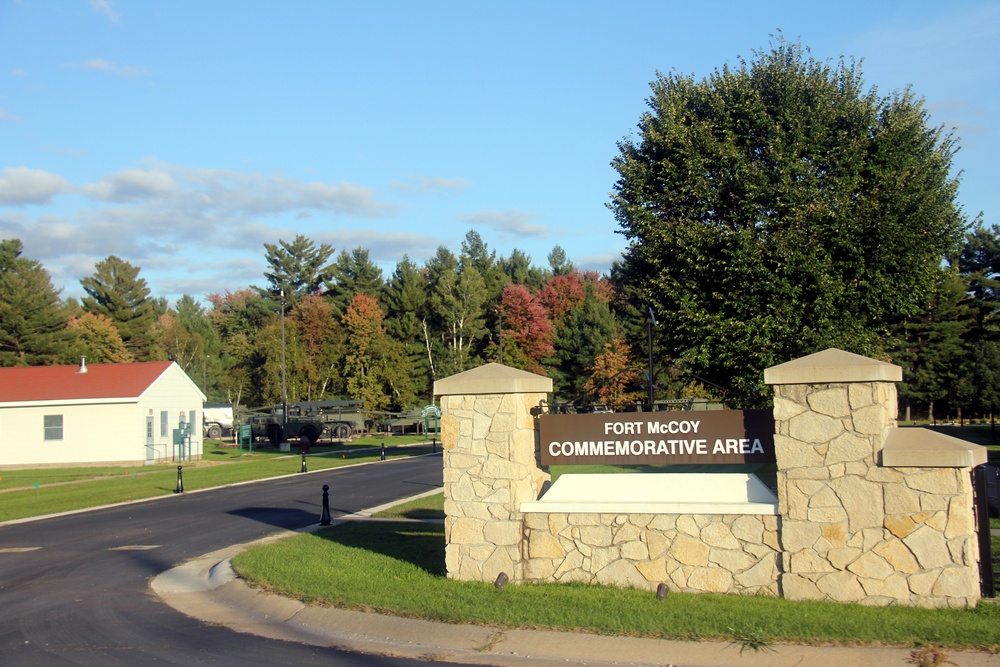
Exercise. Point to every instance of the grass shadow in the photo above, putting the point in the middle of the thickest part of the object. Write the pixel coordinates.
(419, 544)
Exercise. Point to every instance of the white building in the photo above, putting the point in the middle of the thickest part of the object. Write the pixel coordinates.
(98, 414)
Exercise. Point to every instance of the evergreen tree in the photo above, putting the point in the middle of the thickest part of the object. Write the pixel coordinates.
(579, 338)
(116, 291)
(297, 268)
(520, 271)
(476, 254)
(353, 273)
(979, 262)
(405, 298)
(558, 263)
(932, 346)
(32, 321)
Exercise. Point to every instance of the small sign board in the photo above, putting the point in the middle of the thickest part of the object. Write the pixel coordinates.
(657, 438)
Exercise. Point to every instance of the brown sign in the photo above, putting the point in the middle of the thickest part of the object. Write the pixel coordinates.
(658, 438)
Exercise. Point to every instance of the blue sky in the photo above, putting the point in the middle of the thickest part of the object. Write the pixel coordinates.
(182, 135)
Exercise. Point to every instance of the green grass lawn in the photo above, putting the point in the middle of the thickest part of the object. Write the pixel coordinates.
(398, 568)
(27, 493)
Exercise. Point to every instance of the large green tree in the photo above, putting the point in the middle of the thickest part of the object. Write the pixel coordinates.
(778, 208)
(32, 321)
(117, 292)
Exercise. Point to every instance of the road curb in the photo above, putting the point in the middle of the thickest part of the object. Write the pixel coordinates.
(208, 589)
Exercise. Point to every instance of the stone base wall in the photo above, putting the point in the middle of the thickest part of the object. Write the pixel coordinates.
(490, 468)
(850, 526)
(699, 553)
(854, 531)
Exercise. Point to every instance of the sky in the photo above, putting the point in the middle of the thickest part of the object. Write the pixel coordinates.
(183, 135)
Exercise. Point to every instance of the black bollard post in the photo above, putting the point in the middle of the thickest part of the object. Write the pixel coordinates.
(180, 480)
(325, 518)
(383, 452)
(303, 463)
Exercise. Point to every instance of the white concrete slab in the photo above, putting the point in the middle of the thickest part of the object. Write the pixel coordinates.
(657, 493)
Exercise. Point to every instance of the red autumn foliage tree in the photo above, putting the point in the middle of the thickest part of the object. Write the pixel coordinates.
(559, 294)
(526, 323)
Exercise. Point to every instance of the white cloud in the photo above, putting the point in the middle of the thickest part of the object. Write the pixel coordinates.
(600, 263)
(21, 185)
(511, 222)
(195, 230)
(418, 183)
(5, 116)
(132, 185)
(104, 7)
(258, 194)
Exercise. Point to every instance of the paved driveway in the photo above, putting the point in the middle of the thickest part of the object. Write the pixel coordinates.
(74, 589)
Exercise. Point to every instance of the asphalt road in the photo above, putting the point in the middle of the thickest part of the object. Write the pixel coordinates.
(74, 589)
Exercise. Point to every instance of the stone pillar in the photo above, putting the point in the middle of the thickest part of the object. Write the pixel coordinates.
(490, 467)
(854, 529)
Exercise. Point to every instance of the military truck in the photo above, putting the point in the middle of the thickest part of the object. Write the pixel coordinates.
(217, 420)
(308, 421)
(401, 423)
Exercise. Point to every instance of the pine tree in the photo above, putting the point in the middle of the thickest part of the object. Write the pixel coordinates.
(33, 324)
(297, 268)
(353, 273)
(116, 291)
(405, 298)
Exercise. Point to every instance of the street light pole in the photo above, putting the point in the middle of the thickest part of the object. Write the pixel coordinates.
(284, 392)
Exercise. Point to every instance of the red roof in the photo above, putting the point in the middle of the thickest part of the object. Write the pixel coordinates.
(55, 383)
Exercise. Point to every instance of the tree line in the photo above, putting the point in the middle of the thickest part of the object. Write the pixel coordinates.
(772, 209)
(349, 331)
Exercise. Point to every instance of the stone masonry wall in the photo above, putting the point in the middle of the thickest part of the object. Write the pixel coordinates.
(490, 468)
(853, 531)
(698, 553)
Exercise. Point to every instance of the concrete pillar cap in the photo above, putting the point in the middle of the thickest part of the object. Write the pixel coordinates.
(493, 379)
(830, 366)
(924, 448)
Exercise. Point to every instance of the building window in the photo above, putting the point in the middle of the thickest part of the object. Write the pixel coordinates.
(53, 427)
(164, 423)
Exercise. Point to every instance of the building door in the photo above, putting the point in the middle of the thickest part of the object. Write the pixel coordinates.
(150, 443)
